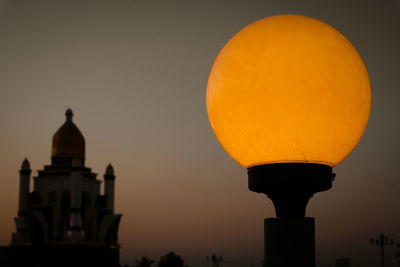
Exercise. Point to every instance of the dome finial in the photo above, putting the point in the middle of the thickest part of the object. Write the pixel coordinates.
(69, 114)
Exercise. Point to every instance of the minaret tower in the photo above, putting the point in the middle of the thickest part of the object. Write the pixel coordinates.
(24, 181)
(109, 179)
(20, 238)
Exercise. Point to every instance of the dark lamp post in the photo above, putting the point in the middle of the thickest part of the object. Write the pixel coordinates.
(288, 97)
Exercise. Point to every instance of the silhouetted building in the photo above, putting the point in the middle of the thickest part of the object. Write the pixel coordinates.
(342, 262)
(65, 221)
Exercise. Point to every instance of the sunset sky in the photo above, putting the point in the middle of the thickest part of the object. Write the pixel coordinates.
(135, 74)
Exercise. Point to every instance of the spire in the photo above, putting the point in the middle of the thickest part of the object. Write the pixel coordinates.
(69, 114)
(109, 170)
(25, 165)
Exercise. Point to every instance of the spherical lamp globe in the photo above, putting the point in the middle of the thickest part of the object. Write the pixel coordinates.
(288, 89)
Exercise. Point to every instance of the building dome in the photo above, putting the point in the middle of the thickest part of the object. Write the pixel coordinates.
(68, 142)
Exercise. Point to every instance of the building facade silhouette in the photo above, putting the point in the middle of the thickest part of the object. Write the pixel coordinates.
(65, 220)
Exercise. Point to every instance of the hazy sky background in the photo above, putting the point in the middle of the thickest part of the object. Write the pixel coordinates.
(135, 73)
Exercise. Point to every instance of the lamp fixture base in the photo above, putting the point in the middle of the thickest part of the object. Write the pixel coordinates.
(290, 185)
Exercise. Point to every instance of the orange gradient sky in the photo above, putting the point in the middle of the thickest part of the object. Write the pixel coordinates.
(135, 74)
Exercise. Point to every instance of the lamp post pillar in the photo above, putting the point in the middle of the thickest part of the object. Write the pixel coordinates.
(289, 242)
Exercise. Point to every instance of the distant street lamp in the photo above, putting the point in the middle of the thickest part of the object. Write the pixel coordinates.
(215, 260)
(288, 97)
(382, 241)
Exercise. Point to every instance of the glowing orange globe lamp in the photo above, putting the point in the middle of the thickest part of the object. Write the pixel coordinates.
(288, 89)
(289, 97)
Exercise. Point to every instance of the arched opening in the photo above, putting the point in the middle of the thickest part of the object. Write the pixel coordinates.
(65, 212)
(87, 216)
(35, 231)
(111, 238)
